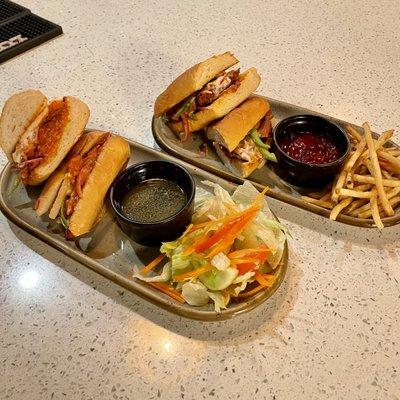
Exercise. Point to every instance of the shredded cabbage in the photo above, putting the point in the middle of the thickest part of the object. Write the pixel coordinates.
(241, 281)
(220, 300)
(165, 275)
(218, 278)
(195, 293)
(265, 230)
(220, 261)
(181, 263)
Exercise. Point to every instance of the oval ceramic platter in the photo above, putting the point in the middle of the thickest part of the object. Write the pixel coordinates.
(108, 251)
(265, 176)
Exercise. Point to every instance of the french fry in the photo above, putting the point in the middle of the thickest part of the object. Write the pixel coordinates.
(378, 144)
(394, 152)
(370, 179)
(376, 171)
(355, 193)
(338, 185)
(339, 207)
(394, 201)
(393, 161)
(349, 180)
(375, 210)
(368, 184)
(363, 188)
(353, 133)
(311, 200)
(383, 138)
(387, 175)
(355, 204)
(354, 156)
(392, 193)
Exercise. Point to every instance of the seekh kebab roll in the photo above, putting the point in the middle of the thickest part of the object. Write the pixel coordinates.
(203, 93)
(75, 193)
(241, 137)
(37, 135)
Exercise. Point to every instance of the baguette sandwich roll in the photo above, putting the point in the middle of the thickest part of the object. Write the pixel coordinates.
(36, 135)
(241, 137)
(76, 191)
(204, 93)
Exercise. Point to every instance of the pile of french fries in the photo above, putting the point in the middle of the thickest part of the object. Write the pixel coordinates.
(368, 185)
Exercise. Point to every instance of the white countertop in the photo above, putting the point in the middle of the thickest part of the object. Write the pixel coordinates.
(330, 332)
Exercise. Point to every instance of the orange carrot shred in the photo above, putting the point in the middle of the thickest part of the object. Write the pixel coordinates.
(251, 292)
(145, 270)
(192, 274)
(261, 279)
(168, 291)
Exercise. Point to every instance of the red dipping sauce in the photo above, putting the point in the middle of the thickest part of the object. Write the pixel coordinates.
(310, 147)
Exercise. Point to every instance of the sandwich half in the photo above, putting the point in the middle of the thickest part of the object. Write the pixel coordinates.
(241, 138)
(203, 93)
(36, 135)
(76, 191)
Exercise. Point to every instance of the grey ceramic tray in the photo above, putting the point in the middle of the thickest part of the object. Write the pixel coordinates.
(108, 251)
(265, 176)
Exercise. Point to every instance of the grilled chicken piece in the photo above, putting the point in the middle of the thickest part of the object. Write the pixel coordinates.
(213, 89)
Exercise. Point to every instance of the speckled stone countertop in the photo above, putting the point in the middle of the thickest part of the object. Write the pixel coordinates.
(331, 331)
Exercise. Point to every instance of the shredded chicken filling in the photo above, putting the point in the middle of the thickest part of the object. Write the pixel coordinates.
(213, 89)
(79, 169)
(42, 143)
(247, 150)
(185, 110)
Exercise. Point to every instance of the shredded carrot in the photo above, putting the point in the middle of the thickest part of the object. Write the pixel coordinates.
(188, 229)
(145, 270)
(269, 276)
(259, 198)
(221, 221)
(251, 292)
(237, 261)
(264, 280)
(192, 274)
(228, 226)
(233, 233)
(167, 290)
(245, 252)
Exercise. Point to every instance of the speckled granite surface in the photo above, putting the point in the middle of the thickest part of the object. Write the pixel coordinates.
(331, 331)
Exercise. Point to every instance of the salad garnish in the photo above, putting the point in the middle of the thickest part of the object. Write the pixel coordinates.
(230, 251)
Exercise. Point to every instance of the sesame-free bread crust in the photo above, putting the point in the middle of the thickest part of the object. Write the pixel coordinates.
(19, 111)
(226, 102)
(192, 80)
(235, 126)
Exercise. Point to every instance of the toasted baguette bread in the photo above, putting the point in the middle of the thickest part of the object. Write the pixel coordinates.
(227, 101)
(235, 126)
(78, 116)
(192, 80)
(113, 156)
(19, 111)
(238, 167)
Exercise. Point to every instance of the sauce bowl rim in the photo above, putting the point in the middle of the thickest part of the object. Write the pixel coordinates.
(306, 117)
(164, 221)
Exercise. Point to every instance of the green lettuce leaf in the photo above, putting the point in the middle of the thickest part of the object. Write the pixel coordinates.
(195, 293)
(165, 275)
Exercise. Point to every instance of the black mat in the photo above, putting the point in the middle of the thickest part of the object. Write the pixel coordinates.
(20, 30)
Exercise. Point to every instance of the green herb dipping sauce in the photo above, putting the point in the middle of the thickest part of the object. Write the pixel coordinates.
(153, 200)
